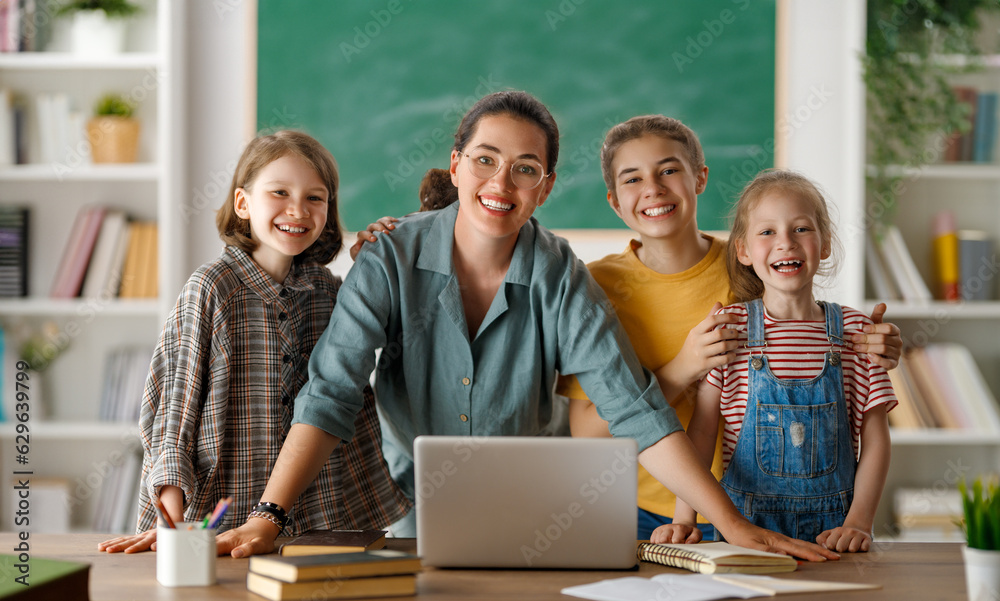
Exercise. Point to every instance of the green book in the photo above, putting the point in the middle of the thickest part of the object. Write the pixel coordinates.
(41, 579)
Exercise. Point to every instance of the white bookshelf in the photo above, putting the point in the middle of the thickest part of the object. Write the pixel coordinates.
(67, 439)
(937, 459)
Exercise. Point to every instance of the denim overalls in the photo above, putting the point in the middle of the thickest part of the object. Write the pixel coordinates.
(793, 467)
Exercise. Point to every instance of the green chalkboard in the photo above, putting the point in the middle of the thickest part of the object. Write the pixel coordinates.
(383, 85)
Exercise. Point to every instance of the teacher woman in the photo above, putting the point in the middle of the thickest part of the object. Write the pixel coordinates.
(476, 307)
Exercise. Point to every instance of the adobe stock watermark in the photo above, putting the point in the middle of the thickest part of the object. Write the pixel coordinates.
(436, 477)
(78, 155)
(590, 493)
(711, 30)
(579, 160)
(759, 156)
(364, 34)
(423, 147)
(210, 195)
(564, 10)
(223, 8)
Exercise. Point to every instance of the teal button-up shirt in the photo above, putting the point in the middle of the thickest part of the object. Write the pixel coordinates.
(402, 296)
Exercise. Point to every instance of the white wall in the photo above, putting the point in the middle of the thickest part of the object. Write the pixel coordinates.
(820, 118)
(218, 107)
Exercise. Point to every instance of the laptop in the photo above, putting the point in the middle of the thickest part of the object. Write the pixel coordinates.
(526, 502)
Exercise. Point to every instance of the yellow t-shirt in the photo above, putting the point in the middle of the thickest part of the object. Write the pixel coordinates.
(658, 311)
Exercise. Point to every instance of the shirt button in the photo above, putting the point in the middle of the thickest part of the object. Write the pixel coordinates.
(286, 359)
(283, 293)
(285, 399)
(466, 381)
(282, 316)
(463, 417)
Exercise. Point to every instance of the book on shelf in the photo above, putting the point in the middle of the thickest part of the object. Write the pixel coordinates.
(380, 562)
(401, 585)
(62, 139)
(944, 247)
(984, 129)
(45, 579)
(940, 386)
(26, 25)
(125, 372)
(13, 251)
(977, 277)
(882, 283)
(104, 269)
(716, 558)
(321, 542)
(976, 140)
(139, 272)
(77, 252)
(899, 264)
(116, 508)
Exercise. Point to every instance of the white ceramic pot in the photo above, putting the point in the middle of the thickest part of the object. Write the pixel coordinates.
(94, 34)
(982, 574)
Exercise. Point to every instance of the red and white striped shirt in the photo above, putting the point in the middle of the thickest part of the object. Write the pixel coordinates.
(796, 350)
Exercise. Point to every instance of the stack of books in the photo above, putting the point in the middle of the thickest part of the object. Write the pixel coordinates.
(379, 573)
(108, 256)
(940, 386)
(928, 514)
(13, 251)
(977, 141)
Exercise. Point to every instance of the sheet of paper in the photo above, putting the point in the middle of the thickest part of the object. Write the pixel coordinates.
(780, 586)
(665, 587)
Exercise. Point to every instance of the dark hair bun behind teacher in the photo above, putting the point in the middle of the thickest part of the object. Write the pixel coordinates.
(436, 190)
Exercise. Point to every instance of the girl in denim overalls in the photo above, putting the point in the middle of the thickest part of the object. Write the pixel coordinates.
(797, 401)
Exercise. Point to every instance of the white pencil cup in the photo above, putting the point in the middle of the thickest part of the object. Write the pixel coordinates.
(185, 557)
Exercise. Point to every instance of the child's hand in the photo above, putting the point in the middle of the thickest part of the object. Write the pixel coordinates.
(845, 538)
(255, 537)
(134, 543)
(676, 533)
(881, 341)
(384, 224)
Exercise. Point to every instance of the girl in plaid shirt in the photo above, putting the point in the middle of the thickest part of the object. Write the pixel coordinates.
(219, 398)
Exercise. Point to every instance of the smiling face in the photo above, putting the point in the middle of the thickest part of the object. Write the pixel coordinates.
(495, 207)
(287, 207)
(784, 244)
(656, 187)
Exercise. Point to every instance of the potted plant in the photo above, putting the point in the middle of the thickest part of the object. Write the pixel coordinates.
(98, 26)
(113, 133)
(981, 509)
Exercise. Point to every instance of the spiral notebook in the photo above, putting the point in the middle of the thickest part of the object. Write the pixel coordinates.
(716, 558)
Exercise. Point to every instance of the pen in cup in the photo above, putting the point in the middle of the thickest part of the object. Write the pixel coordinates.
(220, 511)
(162, 512)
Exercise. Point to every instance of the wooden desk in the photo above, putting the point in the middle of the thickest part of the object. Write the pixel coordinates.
(905, 571)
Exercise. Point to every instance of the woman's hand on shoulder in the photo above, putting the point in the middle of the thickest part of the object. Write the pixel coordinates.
(255, 537)
(384, 224)
(881, 341)
(676, 533)
(134, 543)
